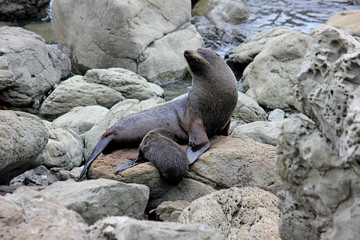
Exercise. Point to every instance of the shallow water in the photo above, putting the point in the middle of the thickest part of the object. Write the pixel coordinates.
(301, 15)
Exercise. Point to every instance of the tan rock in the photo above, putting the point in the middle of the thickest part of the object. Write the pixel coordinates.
(348, 21)
(230, 161)
(27, 214)
(237, 161)
(104, 165)
(241, 213)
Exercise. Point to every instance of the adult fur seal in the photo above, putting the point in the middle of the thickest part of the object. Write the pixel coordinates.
(206, 110)
(159, 147)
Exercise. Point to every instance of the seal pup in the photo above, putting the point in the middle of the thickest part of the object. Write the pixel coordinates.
(159, 147)
(206, 110)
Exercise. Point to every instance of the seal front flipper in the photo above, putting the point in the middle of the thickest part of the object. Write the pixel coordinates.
(100, 146)
(193, 154)
(198, 141)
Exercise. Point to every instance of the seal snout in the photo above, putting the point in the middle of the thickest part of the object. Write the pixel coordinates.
(187, 53)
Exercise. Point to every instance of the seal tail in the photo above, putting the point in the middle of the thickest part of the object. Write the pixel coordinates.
(100, 146)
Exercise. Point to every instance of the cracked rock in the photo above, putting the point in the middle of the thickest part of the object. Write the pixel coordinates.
(240, 213)
(76, 92)
(318, 160)
(270, 77)
(28, 67)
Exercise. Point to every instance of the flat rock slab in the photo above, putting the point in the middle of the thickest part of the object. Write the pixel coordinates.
(96, 199)
(130, 229)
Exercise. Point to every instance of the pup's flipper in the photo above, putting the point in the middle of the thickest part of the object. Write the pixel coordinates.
(126, 165)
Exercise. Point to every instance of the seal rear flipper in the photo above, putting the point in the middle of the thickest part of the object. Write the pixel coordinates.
(100, 146)
(194, 154)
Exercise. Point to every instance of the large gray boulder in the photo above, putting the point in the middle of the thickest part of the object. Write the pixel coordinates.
(76, 92)
(128, 83)
(64, 149)
(97, 199)
(104, 87)
(132, 35)
(270, 78)
(241, 56)
(23, 137)
(81, 119)
(240, 213)
(248, 110)
(327, 80)
(261, 131)
(318, 160)
(28, 67)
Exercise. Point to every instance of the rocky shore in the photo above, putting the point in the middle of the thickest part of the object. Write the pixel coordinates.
(289, 170)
